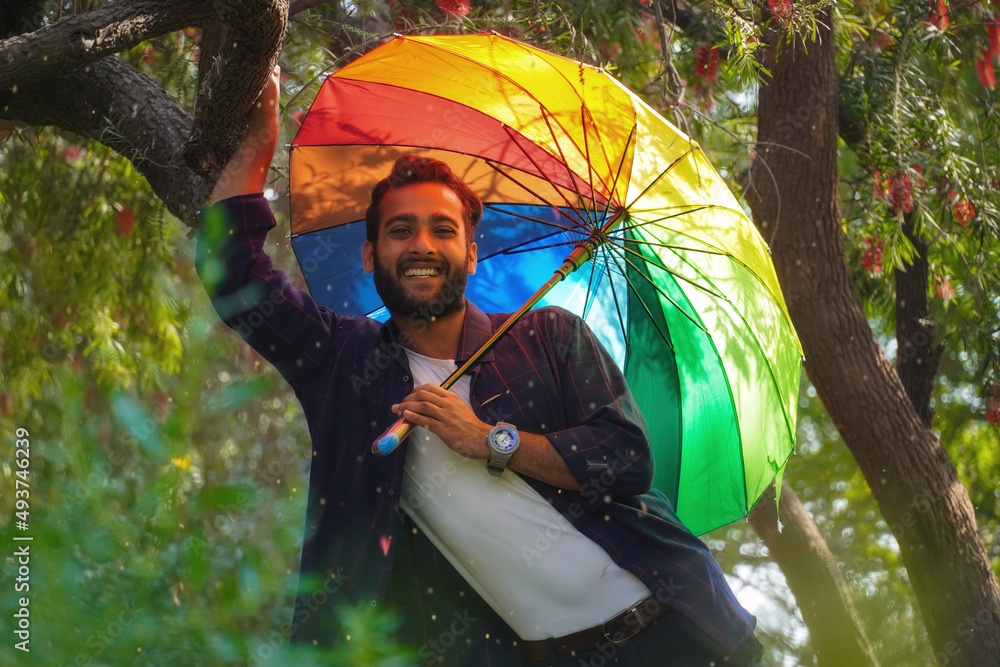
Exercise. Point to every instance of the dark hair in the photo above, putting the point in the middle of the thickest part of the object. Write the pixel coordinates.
(409, 169)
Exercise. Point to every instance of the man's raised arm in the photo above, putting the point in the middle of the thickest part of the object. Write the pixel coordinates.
(281, 322)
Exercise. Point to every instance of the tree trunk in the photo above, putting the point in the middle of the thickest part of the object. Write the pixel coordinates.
(915, 484)
(916, 355)
(818, 585)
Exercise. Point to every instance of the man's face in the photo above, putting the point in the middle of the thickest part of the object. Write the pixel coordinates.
(423, 259)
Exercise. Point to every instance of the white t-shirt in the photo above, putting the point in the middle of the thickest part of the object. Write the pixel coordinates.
(529, 563)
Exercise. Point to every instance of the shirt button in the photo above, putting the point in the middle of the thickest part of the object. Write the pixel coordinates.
(406, 378)
(392, 492)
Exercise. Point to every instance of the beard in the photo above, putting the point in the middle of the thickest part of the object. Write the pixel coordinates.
(446, 301)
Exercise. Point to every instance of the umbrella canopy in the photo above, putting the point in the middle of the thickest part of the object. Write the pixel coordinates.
(679, 287)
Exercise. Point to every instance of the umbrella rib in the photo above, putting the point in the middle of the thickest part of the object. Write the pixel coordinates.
(524, 216)
(665, 295)
(656, 180)
(746, 324)
(618, 308)
(644, 223)
(577, 221)
(500, 74)
(618, 172)
(590, 286)
(663, 267)
(590, 166)
(510, 133)
(518, 249)
(660, 244)
(649, 313)
(572, 177)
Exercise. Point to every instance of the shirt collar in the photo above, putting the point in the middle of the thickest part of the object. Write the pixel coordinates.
(476, 330)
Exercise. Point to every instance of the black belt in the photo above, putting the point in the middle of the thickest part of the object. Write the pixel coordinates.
(616, 630)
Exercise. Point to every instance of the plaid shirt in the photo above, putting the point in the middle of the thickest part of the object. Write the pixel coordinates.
(548, 375)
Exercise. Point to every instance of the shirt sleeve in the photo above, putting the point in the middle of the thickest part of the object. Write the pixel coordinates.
(607, 445)
(278, 320)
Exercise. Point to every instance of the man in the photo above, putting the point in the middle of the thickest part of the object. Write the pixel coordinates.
(516, 525)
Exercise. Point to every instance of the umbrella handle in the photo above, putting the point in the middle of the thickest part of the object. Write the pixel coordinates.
(391, 437)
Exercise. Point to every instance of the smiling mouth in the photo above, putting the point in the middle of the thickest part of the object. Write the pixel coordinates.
(421, 273)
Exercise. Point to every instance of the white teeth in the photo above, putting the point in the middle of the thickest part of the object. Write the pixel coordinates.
(421, 273)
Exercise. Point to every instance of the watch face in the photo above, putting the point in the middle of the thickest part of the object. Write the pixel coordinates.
(503, 440)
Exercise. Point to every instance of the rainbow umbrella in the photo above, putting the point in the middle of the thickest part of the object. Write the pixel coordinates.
(593, 202)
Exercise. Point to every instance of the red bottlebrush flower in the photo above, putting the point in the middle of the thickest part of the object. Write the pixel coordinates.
(993, 27)
(700, 61)
(71, 153)
(963, 212)
(993, 406)
(984, 68)
(939, 14)
(60, 320)
(919, 168)
(872, 258)
(882, 40)
(298, 117)
(706, 63)
(944, 289)
(713, 64)
(454, 7)
(125, 219)
(880, 188)
(149, 55)
(781, 10)
(900, 192)
(5, 408)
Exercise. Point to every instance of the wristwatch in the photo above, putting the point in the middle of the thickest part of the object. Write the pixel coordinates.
(503, 441)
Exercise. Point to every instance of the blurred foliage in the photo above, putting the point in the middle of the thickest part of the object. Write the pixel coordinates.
(169, 464)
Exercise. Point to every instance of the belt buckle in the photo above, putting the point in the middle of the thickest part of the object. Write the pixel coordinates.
(621, 615)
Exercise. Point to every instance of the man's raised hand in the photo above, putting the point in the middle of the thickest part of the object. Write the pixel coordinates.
(246, 171)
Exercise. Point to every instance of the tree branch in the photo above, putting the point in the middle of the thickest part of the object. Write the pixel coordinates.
(818, 585)
(129, 112)
(86, 38)
(229, 89)
(126, 111)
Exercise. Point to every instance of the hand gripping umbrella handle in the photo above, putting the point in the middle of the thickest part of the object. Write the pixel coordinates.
(395, 434)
